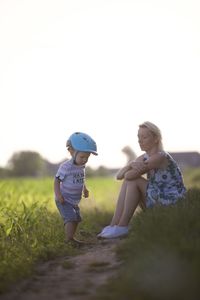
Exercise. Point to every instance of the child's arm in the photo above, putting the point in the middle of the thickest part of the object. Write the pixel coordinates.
(85, 191)
(57, 191)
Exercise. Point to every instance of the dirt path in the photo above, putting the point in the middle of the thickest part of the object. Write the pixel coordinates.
(71, 278)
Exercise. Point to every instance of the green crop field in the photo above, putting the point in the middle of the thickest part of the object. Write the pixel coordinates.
(162, 252)
(31, 228)
(31, 231)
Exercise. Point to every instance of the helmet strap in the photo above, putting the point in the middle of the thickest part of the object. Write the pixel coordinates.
(74, 157)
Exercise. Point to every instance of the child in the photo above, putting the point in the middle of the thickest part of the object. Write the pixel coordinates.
(69, 183)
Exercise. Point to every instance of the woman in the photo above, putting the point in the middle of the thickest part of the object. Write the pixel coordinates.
(164, 184)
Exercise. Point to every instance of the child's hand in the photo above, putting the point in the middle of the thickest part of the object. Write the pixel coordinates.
(85, 192)
(61, 200)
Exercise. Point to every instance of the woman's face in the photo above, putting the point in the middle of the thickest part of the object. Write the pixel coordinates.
(146, 139)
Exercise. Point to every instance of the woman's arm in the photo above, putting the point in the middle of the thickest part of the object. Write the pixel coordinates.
(141, 166)
(138, 168)
(121, 172)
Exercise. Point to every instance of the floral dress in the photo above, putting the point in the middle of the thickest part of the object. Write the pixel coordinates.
(165, 186)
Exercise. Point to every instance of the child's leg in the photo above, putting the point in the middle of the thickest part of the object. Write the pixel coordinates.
(70, 230)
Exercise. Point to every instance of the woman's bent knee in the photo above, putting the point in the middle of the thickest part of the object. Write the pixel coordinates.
(132, 182)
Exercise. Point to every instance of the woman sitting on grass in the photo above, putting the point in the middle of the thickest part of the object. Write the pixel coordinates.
(164, 184)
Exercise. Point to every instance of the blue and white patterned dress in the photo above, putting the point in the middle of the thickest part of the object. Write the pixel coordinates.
(165, 186)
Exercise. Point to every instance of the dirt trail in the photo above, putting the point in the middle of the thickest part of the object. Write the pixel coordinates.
(71, 278)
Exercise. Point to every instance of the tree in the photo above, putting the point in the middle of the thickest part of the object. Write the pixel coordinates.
(4, 172)
(130, 154)
(26, 163)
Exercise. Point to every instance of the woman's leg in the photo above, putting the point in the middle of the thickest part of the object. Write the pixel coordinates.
(120, 204)
(135, 193)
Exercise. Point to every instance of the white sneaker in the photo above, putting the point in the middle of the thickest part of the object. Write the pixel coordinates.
(104, 230)
(109, 231)
(115, 232)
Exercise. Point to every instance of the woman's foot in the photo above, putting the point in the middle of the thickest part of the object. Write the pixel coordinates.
(115, 232)
(104, 230)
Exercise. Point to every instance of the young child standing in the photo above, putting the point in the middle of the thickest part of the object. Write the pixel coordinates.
(69, 182)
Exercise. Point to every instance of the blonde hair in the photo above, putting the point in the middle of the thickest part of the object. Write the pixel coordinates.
(154, 130)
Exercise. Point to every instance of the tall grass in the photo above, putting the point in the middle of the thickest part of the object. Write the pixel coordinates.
(31, 228)
(192, 177)
(161, 255)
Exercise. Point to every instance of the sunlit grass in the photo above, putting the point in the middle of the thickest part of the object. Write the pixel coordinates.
(192, 177)
(163, 243)
(31, 228)
(161, 255)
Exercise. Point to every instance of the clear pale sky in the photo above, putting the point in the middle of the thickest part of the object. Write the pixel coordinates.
(101, 67)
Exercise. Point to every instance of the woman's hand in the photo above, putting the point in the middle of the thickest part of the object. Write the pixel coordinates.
(121, 173)
(138, 166)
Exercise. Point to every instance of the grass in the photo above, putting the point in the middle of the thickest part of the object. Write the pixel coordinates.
(192, 177)
(31, 229)
(161, 256)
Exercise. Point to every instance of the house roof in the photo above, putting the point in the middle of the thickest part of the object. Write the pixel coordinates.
(187, 159)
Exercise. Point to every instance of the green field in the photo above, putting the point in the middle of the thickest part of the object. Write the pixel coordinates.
(31, 228)
(162, 252)
(162, 249)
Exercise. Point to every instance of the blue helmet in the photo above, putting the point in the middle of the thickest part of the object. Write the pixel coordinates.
(80, 141)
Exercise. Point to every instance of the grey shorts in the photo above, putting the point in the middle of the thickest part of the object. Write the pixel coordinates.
(68, 212)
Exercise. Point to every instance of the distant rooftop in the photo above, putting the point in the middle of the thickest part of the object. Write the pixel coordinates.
(187, 159)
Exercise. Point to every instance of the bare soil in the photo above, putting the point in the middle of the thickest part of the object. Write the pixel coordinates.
(72, 278)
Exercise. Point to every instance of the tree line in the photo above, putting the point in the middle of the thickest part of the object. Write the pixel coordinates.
(32, 164)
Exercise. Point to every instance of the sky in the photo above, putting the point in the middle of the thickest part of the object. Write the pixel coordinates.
(100, 67)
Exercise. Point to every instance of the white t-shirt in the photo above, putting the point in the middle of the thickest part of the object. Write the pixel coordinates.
(72, 178)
